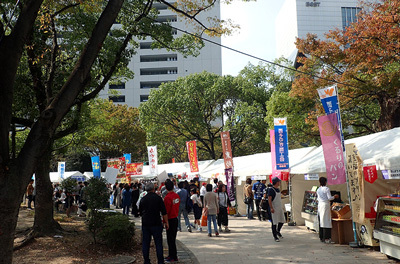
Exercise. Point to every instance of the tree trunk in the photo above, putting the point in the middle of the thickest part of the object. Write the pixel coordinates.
(44, 222)
(390, 113)
(11, 192)
(15, 177)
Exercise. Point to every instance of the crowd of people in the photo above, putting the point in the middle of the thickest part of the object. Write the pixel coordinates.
(166, 205)
(267, 199)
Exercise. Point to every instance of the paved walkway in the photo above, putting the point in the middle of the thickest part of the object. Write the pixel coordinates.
(250, 241)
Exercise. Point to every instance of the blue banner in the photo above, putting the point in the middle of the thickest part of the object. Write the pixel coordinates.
(330, 102)
(127, 158)
(96, 166)
(281, 144)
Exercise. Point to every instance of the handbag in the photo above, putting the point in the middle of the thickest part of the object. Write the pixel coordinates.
(246, 200)
(204, 217)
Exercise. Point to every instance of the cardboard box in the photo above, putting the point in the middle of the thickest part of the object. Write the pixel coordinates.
(341, 211)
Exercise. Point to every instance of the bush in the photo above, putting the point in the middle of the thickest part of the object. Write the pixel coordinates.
(117, 231)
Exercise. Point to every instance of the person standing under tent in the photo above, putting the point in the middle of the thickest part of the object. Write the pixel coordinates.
(258, 189)
(248, 193)
(324, 211)
(275, 204)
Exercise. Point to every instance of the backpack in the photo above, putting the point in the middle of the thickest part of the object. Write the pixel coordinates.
(189, 204)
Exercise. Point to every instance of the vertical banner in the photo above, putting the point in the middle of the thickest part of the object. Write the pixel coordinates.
(330, 102)
(332, 148)
(226, 149)
(281, 174)
(192, 153)
(61, 169)
(127, 158)
(281, 144)
(96, 166)
(370, 173)
(121, 168)
(153, 159)
(230, 184)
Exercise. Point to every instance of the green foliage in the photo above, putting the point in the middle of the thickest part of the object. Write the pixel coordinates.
(69, 185)
(112, 130)
(194, 108)
(117, 231)
(97, 193)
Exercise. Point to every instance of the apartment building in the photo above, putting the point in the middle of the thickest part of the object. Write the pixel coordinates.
(152, 67)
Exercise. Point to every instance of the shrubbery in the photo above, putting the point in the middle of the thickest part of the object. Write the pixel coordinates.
(117, 231)
(110, 227)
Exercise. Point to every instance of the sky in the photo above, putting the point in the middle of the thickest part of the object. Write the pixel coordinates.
(256, 35)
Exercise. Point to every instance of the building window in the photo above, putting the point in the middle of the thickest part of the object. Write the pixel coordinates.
(166, 19)
(349, 15)
(117, 86)
(155, 58)
(145, 45)
(144, 98)
(117, 98)
(159, 71)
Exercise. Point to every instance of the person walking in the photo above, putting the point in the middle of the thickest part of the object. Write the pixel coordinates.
(135, 198)
(275, 204)
(248, 194)
(151, 208)
(223, 202)
(324, 211)
(171, 202)
(183, 195)
(126, 199)
(258, 189)
(197, 205)
(29, 193)
(211, 208)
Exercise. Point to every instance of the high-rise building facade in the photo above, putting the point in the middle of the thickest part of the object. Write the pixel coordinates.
(152, 67)
(299, 17)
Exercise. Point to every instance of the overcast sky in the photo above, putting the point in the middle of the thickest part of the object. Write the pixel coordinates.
(256, 35)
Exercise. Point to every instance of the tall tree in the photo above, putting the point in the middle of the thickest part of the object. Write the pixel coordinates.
(14, 35)
(364, 60)
(200, 106)
(114, 130)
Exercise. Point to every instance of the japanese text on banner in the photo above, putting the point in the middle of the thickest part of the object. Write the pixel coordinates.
(281, 144)
(192, 153)
(153, 159)
(226, 149)
(356, 183)
(332, 148)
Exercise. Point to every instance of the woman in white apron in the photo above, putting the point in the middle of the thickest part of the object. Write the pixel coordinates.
(324, 211)
(275, 203)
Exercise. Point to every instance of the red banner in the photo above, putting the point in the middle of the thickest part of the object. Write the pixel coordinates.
(192, 153)
(370, 173)
(133, 169)
(226, 149)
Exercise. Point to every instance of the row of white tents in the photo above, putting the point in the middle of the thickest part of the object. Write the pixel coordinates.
(381, 149)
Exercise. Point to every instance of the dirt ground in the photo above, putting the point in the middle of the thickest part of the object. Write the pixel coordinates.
(73, 245)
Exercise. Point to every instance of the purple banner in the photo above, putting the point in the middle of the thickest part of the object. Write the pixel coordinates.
(230, 184)
(332, 148)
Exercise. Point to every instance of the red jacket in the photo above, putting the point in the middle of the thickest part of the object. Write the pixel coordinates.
(171, 202)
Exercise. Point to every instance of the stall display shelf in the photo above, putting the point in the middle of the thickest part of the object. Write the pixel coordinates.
(387, 226)
(310, 209)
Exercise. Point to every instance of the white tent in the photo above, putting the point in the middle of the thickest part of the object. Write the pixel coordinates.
(381, 149)
(55, 176)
